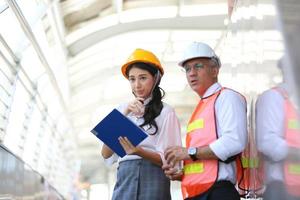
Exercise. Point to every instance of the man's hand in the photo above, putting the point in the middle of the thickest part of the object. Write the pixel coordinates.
(176, 154)
(172, 173)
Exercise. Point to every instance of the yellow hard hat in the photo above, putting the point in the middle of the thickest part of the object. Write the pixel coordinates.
(144, 56)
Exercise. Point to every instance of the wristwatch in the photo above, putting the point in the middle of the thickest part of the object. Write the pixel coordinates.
(192, 151)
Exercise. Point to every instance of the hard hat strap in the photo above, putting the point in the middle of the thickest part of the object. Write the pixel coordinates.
(157, 78)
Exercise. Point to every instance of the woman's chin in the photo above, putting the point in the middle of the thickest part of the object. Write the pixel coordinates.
(141, 96)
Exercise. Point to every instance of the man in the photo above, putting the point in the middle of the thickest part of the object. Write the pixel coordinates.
(216, 132)
(278, 125)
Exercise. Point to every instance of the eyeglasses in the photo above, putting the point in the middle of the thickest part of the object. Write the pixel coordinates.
(197, 66)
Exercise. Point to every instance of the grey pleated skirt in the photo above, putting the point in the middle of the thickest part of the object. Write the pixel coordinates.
(141, 180)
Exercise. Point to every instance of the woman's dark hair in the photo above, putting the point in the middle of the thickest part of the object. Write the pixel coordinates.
(154, 107)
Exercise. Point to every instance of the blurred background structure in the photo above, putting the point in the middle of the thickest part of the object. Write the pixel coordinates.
(60, 74)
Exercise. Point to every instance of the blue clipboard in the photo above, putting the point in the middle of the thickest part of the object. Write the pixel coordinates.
(114, 125)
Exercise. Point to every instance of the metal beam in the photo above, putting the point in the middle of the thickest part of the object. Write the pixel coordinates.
(176, 23)
(29, 33)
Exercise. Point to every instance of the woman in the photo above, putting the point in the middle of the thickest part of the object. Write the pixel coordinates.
(139, 173)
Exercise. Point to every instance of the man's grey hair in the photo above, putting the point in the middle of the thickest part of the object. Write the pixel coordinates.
(215, 62)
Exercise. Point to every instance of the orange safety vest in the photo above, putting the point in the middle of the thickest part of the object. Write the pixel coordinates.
(292, 136)
(200, 175)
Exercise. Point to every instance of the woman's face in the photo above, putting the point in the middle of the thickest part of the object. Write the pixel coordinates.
(141, 82)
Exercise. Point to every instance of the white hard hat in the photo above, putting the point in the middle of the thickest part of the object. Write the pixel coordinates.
(199, 50)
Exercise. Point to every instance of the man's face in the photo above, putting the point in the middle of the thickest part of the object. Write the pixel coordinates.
(201, 73)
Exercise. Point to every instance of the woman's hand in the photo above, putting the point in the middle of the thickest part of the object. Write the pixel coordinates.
(106, 152)
(128, 146)
(136, 107)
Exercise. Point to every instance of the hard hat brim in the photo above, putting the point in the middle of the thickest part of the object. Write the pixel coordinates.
(181, 63)
(125, 66)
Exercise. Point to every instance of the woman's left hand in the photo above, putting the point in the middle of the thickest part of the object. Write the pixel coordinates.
(128, 146)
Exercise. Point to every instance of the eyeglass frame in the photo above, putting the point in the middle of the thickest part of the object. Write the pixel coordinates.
(199, 65)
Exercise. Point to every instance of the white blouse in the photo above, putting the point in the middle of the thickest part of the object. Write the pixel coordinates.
(168, 134)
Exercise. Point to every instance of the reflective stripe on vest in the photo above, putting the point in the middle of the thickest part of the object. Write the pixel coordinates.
(250, 162)
(197, 124)
(193, 168)
(294, 169)
(293, 124)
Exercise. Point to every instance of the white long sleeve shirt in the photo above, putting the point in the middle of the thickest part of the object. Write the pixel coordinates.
(270, 133)
(231, 120)
(168, 134)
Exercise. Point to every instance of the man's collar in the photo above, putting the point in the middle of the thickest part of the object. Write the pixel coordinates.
(212, 89)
